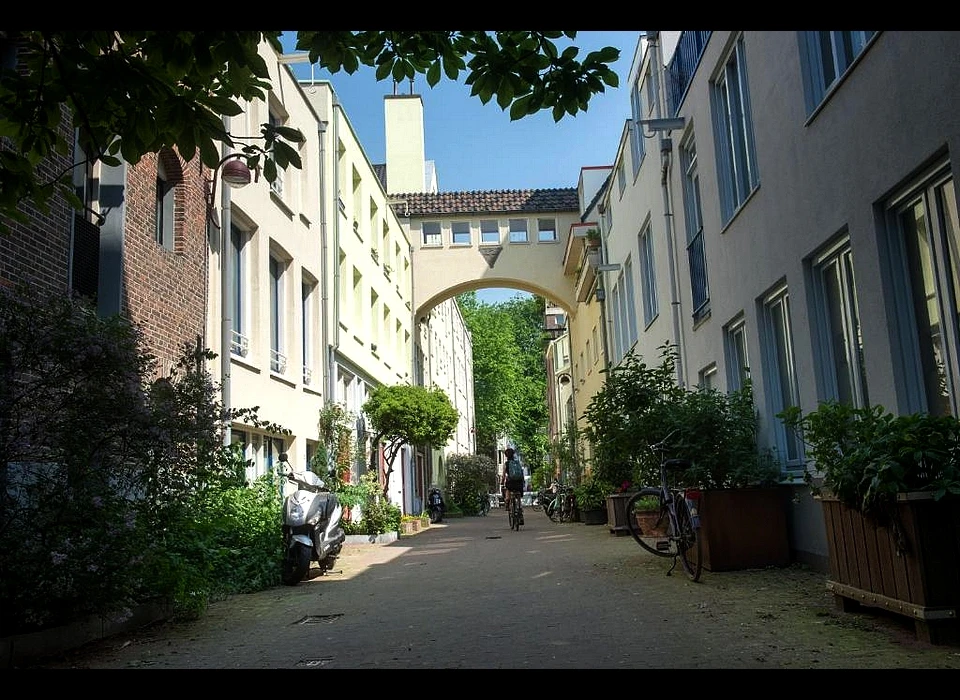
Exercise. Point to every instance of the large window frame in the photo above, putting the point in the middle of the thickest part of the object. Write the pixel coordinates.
(737, 358)
(922, 225)
(736, 152)
(489, 231)
(825, 60)
(836, 330)
(278, 358)
(519, 231)
(780, 373)
(239, 240)
(696, 252)
(432, 233)
(648, 276)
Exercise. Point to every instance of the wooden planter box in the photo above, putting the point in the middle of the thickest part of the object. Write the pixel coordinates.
(922, 581)
(744, 528)
(617, 513)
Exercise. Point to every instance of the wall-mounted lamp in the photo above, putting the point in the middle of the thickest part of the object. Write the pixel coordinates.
(608, 267)
(564, 379)
(235, 173)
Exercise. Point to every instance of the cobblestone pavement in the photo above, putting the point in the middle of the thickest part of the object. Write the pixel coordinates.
(471, 593)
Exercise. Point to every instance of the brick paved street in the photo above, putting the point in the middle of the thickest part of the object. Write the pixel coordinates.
(563, 595)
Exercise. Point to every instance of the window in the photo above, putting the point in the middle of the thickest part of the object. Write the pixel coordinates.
(622, 312)
(546, 230)
(733, 127)
(272, 447)
(461, 232)
(518, 231)
(374, 320)
(630, 326)
(306, 307)
(164, 207)
(489, 231)
(621, 178)
(924, 227)
(636, 128)
(824, 58)
(838, 343)
(781, 374)
(696, 256)
(278, 361)
(276, 119)
(707, 377)
(618, 350)
(735, 345)
(648, 277)
(431, 233)
(238, 287)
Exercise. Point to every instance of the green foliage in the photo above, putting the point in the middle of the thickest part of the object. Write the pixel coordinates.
(640, 405)
(866, 456)
(567, 450)
(468, 476)
(122, 461)
(592, 493)
(371, 512)
(414, 415)
(134, 92)
(334, 455)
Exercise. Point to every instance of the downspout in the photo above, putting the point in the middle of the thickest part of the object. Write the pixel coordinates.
(666, 148)
(226, 284)
(324, 256)
(335, 345)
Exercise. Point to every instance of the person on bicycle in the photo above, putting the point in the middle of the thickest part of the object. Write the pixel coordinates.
(512, 485)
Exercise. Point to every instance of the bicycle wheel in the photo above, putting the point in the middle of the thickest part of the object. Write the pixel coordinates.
(651, 529)
(553, 510)
(689, 542)
(510, 515)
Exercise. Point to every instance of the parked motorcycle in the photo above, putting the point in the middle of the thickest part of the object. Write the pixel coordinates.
(311, 524)
(435, 505)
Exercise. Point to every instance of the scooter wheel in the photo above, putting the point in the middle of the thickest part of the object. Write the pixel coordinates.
(296, 564)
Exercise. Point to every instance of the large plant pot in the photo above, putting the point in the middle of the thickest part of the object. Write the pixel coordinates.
(594, 516)
(920, 580)
(617, 513)
(744, 528)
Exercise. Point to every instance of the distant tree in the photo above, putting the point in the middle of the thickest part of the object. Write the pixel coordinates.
(129, 93)
(414, 415)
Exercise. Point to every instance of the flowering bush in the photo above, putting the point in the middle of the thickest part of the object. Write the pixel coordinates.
(625, 487)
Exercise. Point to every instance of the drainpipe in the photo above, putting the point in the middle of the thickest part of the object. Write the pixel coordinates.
(324, 256)
(334, 346)
(666, 148)
(226, 283)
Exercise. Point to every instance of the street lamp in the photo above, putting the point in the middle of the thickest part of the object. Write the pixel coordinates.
(235, 173)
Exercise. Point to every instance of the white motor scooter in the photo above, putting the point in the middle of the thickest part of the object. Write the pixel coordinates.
(311, 524)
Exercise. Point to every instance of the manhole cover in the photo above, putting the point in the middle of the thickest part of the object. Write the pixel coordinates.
(316, 619)
(313, 663)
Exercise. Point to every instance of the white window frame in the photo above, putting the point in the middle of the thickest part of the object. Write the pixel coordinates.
(733, 129)
(636, 128)
(240, 241)
(519, 231)
(836, 331)
(825, 60)
(489, 231)
(918, 361)
(277, 276)
(547, 230)
(696, 252)
(780, 374)
(735, 348)
(648, 276)
(633, 334)
(459, 229)
(432, 233)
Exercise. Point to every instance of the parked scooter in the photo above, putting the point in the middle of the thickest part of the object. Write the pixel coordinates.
(435, 505)
(311, 524)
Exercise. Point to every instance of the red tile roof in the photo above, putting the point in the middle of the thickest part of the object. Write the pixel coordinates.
(486, 201)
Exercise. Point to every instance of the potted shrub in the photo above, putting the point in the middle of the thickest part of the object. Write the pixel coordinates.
(890, 490)
(591, 497)
(641, 405)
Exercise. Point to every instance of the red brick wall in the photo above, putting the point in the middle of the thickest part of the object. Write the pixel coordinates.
(164, 290)
(37, 252)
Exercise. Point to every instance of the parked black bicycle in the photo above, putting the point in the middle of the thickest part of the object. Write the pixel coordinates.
(561, 503)
(664, 519)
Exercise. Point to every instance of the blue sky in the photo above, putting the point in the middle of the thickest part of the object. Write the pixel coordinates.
(475, 146)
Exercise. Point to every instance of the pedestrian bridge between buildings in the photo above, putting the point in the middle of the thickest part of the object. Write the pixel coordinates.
(450, 256)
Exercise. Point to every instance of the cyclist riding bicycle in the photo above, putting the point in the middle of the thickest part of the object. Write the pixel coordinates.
(512, 479)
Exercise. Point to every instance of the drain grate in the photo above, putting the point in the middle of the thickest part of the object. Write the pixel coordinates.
(494, 537)
(316, 619)
(313, 663)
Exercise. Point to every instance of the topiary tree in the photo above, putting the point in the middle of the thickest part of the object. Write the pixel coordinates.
(414, 415)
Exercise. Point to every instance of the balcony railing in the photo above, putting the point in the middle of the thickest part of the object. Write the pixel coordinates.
(278, 362)
(682, 66)
(240, 344)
